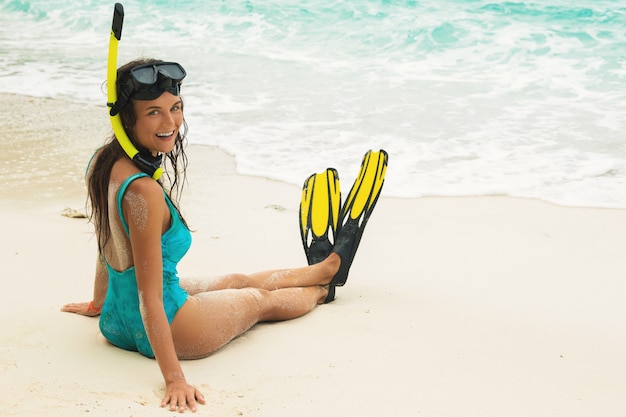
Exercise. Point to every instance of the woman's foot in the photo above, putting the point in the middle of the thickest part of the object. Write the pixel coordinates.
(332, 265)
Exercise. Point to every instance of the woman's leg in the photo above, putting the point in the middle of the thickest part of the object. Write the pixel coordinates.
(209, 320)
(317, 274)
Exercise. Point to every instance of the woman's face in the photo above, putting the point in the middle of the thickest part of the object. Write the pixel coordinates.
(158, 122)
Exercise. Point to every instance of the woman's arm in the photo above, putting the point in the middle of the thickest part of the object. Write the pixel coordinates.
(100, 285)
(148, 215)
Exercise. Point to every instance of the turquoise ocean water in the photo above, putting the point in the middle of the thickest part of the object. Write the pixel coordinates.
(469, 97)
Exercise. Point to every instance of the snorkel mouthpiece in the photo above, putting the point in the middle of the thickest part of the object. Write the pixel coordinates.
(147, 163)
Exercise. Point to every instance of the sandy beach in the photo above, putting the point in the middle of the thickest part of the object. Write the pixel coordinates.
(485, 306)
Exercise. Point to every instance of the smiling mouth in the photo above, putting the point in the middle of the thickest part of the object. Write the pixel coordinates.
(165, 135)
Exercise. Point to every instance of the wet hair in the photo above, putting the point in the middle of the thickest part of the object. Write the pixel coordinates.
(99, 172)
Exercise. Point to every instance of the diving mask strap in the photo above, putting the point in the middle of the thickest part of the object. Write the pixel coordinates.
(147, 163)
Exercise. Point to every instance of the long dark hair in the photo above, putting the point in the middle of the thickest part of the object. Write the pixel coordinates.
(99, 172)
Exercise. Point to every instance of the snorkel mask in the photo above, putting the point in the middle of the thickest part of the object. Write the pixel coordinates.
(145, 82)
(149, 81)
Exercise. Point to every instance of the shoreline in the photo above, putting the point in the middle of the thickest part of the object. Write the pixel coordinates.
(509, 306)
(67, 133)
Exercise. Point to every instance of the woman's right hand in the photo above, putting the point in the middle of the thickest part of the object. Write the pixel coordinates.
(179, 395)
(84, 309)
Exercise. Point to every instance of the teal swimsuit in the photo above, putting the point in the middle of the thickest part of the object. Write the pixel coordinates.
(121, 321)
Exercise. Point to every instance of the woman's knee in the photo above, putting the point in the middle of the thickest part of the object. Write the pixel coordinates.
(263, 301)
(234, 281)
(257, 299)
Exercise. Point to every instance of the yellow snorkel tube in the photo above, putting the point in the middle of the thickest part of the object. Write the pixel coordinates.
(116, 121)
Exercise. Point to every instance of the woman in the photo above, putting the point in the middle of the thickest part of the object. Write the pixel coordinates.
(142, 236)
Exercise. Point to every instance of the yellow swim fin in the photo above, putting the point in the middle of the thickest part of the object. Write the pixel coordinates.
(319, 214)
(356, 211)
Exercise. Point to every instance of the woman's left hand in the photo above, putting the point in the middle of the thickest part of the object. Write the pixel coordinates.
(84, 309)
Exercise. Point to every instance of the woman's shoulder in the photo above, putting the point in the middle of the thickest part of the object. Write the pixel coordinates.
(140, 183)
(125, 174)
